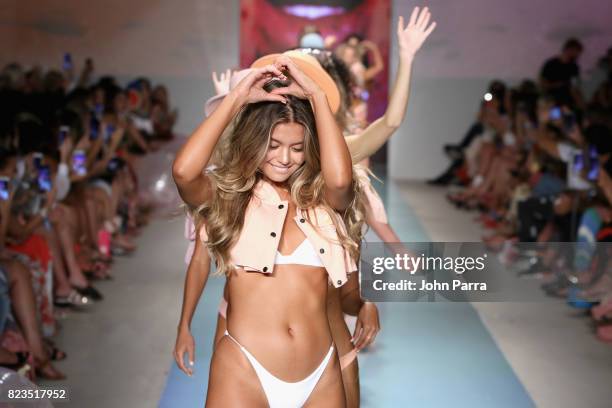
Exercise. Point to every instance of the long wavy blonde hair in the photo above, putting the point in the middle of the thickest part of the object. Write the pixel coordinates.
(238, 156)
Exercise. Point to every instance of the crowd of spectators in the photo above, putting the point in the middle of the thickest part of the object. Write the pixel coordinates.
(536, 164)
(69, 202)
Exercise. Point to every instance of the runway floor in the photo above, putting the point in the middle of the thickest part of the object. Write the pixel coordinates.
(427, 355)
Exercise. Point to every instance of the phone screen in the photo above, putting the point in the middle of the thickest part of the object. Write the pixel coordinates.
(578, 163)
(67, 63)
(78, 162)
(4, 188)
(593, 172)
(44, 178)
(555, 113)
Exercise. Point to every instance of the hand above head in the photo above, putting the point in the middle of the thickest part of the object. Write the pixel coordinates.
(222, 82)
(301, 85)
(412, 37)
(250, 89)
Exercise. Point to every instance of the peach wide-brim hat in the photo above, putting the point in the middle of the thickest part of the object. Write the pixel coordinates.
(311, 67)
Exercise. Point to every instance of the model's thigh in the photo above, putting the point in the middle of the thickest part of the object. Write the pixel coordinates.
(329, 391)
(232, 381)
(350, 379)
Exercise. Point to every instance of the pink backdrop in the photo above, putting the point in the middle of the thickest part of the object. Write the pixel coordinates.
(266, 28)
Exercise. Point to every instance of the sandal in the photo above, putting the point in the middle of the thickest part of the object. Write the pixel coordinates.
(98, 271)
(90, 292)
(45, 370)
(73, 299)
(57, 354)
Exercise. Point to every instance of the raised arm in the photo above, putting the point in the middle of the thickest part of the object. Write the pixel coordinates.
(336, 165)
(193, 157)
(378, 65)
(410, 40)
(222, 82)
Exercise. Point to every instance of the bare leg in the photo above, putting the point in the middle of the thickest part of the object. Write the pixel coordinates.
(329, 391)
(231, 371)
(24, 306)
(350, 380)
(92, 219)
(66, 239)
(118, 187)
(60, 273)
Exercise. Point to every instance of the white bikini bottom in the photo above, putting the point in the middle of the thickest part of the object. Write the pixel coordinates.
(345, 360)
(282, 394)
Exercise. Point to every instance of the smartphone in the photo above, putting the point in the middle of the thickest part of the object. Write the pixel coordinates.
(37, 159)
(44, 178)
(78, 162)
(4, 188)
(67, 63)
(63, 134)
(94, 127)
(593, 172)
(555, 113)
(108, 132)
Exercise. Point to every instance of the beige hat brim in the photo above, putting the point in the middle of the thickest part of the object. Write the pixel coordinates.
(311, 67)
(213, 103)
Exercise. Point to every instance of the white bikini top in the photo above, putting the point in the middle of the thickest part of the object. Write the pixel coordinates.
(304, 254)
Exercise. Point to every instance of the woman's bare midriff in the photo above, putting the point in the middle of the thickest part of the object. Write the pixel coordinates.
(281, 318)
